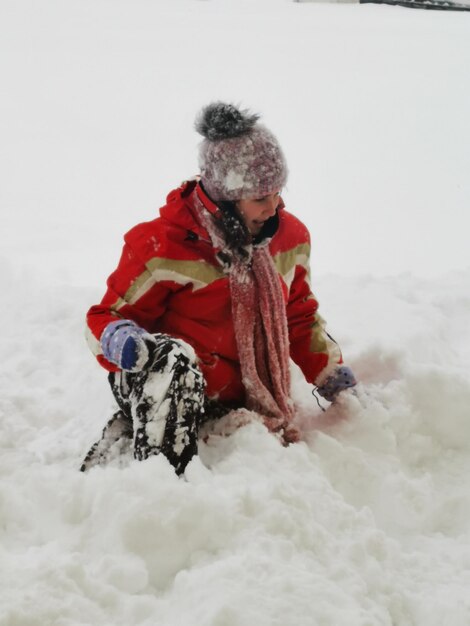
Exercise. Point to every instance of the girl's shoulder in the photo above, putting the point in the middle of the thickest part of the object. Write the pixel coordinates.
(291, 232)
(173, 232)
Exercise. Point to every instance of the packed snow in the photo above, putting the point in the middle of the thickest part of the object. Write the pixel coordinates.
(366, 521)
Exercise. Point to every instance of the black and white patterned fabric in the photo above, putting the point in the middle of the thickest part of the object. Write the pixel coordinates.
(160, 409)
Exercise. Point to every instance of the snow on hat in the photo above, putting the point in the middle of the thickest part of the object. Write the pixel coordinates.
(238, 157)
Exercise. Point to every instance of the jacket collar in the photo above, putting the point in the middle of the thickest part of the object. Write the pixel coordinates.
(193, 187)
(206, 201)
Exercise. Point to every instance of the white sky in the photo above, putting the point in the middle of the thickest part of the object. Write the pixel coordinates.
(98, 102)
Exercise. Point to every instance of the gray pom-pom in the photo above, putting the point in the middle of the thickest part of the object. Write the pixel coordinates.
(222, 121)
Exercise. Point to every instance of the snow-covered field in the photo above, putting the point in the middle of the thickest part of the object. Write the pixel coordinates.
(366, 522)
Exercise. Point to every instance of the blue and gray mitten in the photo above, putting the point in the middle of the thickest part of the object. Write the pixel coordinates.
(342, 378)
(128, 346)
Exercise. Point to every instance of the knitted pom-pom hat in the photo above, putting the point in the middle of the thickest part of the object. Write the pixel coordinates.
(238, 157)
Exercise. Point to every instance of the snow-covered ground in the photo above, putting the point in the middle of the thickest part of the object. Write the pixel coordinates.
(366, 522)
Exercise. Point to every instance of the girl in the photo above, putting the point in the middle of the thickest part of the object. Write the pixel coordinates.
(210, 300)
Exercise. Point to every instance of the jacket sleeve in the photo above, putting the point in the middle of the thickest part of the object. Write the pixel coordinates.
(311, 347)
(132, 293)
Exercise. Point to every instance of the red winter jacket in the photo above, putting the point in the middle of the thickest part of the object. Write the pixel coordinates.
(169, 281)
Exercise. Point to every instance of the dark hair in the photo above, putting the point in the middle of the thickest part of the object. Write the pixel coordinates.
(233, 228)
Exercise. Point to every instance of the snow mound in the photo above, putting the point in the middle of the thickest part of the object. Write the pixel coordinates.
(365, 521)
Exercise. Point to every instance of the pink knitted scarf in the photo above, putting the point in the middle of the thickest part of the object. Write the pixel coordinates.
(260, 322)
(259, 318)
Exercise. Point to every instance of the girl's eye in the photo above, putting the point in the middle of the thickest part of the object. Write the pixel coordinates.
(277, 194)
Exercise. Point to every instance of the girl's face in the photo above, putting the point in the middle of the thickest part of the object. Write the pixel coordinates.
(255, 211)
